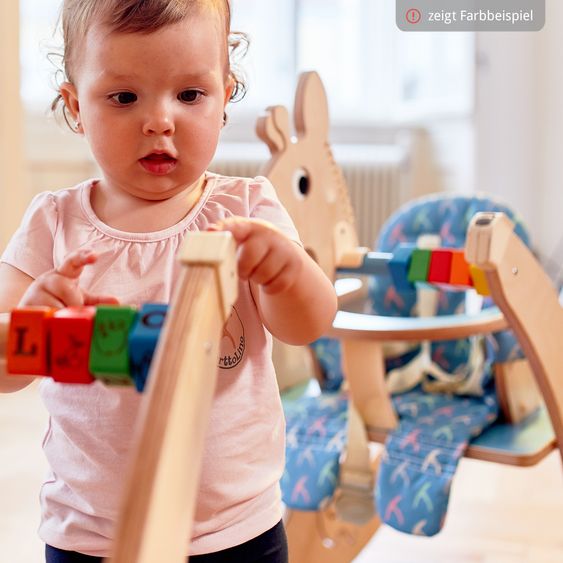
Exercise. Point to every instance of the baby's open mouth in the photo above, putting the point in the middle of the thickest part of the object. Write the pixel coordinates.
(158, 163)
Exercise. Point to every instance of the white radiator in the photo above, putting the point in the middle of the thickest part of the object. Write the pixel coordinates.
(378, 179)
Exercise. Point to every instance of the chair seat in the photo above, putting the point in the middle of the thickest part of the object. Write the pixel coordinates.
(316, 432)
(521, 445)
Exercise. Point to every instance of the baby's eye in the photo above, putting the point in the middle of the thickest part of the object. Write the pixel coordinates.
(189, 96)
(124, 98)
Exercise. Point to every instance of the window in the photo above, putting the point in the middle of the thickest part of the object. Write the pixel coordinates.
(373, 72)
(37, 40)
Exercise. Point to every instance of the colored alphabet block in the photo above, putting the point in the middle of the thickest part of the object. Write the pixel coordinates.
(460, 269)
(71, 333)
(109, 352)
(420, 262)
(399, 267)
(143, 339)
(440, 266)
(27, 347)
(479, 280)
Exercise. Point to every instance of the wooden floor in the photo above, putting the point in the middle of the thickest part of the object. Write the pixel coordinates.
(497, 514)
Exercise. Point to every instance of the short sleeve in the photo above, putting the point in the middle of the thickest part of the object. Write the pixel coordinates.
(31, 247)
(264, 204)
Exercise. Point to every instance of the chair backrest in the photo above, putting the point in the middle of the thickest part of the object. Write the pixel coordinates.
(447, 216)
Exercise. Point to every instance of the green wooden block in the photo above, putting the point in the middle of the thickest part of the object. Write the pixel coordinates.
(109, 352)
(420, 263)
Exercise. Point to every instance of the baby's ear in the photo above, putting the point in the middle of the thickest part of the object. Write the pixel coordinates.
(70, 98)
(71, 105)
(229, 87)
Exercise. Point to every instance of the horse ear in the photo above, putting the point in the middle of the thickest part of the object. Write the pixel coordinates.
(311, 107)
(273, 128)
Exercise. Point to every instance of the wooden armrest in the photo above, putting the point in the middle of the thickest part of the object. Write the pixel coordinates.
(349, 325)
(363, 335)
(350, 290)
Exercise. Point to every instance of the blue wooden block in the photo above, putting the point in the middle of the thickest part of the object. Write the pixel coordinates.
(399, 266)
(143, 339)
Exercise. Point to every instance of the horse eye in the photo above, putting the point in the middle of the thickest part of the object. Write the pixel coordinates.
(301, 183)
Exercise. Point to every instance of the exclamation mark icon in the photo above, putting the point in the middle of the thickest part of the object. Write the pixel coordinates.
(413, 16)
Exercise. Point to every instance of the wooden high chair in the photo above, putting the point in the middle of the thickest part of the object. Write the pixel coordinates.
(312, 188)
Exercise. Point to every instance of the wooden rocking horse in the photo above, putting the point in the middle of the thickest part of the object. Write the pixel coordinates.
(312, 188)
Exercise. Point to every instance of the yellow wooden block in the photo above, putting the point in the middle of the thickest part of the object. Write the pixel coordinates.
(479, 280)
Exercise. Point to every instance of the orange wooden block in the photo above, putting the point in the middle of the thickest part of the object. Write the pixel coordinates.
(459, 274)
(479, 280)
(27, 348)
(71, 335)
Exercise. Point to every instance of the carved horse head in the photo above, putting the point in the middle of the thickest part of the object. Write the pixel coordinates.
(307, 179)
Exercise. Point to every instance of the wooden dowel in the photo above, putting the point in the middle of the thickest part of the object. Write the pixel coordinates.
(156, 517)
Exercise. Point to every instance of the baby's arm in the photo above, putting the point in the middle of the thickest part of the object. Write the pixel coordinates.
(55, 288)
(296, 301)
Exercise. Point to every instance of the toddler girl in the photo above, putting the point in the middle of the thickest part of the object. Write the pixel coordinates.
(147, 85)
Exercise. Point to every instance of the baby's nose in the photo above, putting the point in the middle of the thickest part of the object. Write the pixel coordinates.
(158, 123)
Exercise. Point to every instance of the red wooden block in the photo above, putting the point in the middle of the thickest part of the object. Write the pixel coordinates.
(440, 266)
(460, 269)
(27, 348)
(71, 334)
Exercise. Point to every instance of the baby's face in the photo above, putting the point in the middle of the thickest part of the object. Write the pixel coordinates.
(151, 105)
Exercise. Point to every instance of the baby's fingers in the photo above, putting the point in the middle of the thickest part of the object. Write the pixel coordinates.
(74, 263)
(99, 299)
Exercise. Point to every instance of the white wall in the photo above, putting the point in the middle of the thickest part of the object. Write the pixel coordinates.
(551, 196)
(508, 120)
(519, 125)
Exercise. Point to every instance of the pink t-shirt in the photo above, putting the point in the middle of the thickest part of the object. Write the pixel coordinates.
(88, 439)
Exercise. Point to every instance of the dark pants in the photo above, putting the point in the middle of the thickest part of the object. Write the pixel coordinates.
(269, 547)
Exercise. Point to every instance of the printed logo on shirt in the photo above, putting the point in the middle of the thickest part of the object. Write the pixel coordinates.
(231, 347)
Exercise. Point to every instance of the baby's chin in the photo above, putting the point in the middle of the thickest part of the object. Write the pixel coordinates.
(193, 190)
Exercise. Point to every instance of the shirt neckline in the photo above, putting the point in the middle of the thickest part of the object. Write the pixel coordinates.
(154, 236)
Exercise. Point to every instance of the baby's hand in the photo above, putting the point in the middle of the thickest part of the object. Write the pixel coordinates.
(266, 256)
(59, 287)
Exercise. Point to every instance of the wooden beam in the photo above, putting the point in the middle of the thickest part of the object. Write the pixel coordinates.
(157, 513)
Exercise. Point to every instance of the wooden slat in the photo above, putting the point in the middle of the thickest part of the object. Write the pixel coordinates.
(526, 296)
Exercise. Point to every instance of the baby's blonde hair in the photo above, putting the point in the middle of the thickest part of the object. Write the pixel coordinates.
(140, 16)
